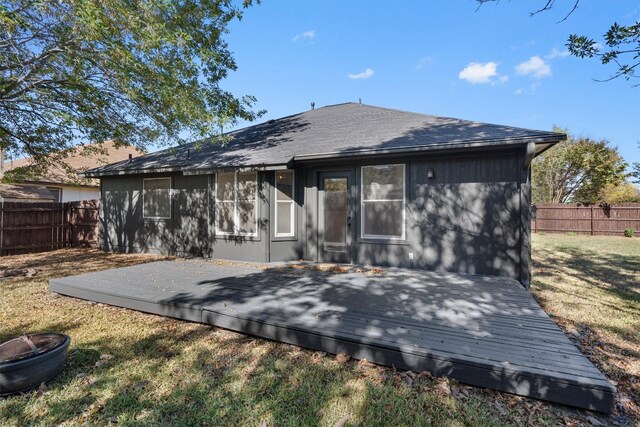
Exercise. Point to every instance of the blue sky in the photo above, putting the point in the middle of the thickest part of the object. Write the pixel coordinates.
(496, 65)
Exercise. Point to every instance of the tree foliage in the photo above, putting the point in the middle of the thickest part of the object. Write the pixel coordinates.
(576, 170)
(622, 43)
(142, 72)
(635, 173)
(622, 193)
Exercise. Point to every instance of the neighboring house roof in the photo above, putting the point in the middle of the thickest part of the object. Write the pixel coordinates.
(328, 132)
(78, 159)
(16, 192)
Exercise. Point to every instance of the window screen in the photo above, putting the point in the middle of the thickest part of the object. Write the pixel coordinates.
(284, 207)
(236, 201)
(383, 201)
(156, 198)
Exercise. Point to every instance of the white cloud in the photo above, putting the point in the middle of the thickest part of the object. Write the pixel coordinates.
(557, 53)
(518, 91)
(535, 67)
(307, 35)
(479, 73)
(423, 61)
(363, 75)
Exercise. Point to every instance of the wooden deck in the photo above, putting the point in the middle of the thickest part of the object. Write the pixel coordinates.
(485, 331)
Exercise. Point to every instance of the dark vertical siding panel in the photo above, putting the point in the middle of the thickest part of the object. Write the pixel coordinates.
(466, 219)
(188, 232)
(122, 215)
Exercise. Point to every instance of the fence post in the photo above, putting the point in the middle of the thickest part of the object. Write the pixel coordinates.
(592, 219)
(68, 218)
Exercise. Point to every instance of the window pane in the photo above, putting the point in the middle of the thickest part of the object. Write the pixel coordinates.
(224, 186)
(247, 217)
(149, 208)
(383, 182)
(335, 210)
(55, 192)
(283, 219)
(247, 186)
(284, 185)
(157, 198)
(383, 218)
(225, 222)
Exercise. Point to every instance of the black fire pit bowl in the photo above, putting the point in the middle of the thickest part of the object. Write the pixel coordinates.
(29, 360)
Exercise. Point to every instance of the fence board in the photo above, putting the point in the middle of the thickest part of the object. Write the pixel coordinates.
(41, 227)
(610, 220)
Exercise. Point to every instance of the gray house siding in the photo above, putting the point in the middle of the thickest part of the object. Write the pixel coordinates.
(471, 217)
(191, 229)
(125, 230)
(466, 219)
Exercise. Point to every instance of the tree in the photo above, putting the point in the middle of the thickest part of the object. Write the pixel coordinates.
(143, 72)
(623, 193)
(576, 170)
(636, 170)
(622, 43)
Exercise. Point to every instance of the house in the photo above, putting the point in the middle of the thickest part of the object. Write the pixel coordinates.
(24, 194)
(60, 176)
(345, 183)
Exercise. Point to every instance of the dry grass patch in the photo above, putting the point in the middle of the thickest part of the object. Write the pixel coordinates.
(170, 372)
(590, 285)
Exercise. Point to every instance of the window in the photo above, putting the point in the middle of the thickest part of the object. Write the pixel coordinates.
(383, 202)
(56, 193)
(156, 198)
(284, 206)
(236, 197)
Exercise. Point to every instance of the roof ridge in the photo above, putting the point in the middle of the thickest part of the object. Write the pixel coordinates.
(451, 118)
(336, 105)
(426, 115)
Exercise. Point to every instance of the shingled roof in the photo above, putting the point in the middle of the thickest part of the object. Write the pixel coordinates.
(77, 159)
(333, 131)
(25, 193)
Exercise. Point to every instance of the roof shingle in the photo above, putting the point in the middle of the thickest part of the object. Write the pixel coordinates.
(336, 130)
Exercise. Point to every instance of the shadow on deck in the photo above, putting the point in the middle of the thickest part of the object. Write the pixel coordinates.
(485, 331)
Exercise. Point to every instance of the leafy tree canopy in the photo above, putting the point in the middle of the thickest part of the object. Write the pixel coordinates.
(576, 170)
(622, 43)
(138, 72)
(623, 193)
(636, 170)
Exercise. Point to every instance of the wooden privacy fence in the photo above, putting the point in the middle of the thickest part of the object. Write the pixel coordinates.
(593, 220)
(41, 227)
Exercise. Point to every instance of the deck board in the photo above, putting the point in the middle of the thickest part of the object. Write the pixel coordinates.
(481, 330)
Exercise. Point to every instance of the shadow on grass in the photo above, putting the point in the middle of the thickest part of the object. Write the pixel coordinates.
(602, 279)
(67, 262)
(173, 376)
(615, 274)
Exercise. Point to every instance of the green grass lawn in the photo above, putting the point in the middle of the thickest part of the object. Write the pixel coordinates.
(131, 368)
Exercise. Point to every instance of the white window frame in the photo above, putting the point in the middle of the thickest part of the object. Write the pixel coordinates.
(293, 204)
(170, 197)
(404, 204)
(59, 190)
(236, 223)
